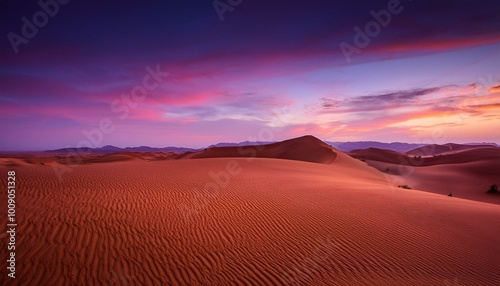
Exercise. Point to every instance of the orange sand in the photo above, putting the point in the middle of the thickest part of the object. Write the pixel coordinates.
(240, 221)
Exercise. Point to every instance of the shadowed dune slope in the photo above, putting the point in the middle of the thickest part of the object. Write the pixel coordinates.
(468, 180)
(306, 148)
(268, 222)
(464, 156)
(376, 154)
(436, 149)
(466, 174)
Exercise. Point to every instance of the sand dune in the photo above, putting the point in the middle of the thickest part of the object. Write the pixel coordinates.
(466, 174)
(12, 162)
(463, 156)
(380, 155)
(436, 149)
(464, 180)
(73, 158)
(306, 148)
(246, 221)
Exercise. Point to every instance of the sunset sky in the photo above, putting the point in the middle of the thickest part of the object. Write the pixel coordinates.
(203, 72)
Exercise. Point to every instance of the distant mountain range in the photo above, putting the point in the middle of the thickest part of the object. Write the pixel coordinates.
(245, 143)
(394, 146)
(111, 149)
(342, 146)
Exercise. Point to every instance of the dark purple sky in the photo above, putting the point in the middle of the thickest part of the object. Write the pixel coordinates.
(193, 73)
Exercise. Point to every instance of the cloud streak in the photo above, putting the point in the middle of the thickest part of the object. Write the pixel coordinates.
(376, 102)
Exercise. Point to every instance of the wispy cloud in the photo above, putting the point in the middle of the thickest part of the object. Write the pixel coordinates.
(494, 89)
(376, 102)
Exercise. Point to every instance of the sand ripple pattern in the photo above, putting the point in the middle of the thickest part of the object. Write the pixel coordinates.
(278, 222)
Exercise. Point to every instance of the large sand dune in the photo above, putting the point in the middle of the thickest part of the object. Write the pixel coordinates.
(245, 221)
(306, 148)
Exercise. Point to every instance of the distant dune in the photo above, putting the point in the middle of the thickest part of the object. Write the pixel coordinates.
(375, 154)
(306, 148)
(73, 158)
(435, 149)
(459, 156)
(394, 146)
(467, 172)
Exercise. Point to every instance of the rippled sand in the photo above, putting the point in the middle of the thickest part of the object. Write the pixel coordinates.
(238, 221)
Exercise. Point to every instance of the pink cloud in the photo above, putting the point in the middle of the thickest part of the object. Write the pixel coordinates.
(438, 44)
(494, 89)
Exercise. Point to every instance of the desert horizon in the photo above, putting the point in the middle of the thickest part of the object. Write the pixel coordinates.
(249, 143)
(413, 167)
(345, 146)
